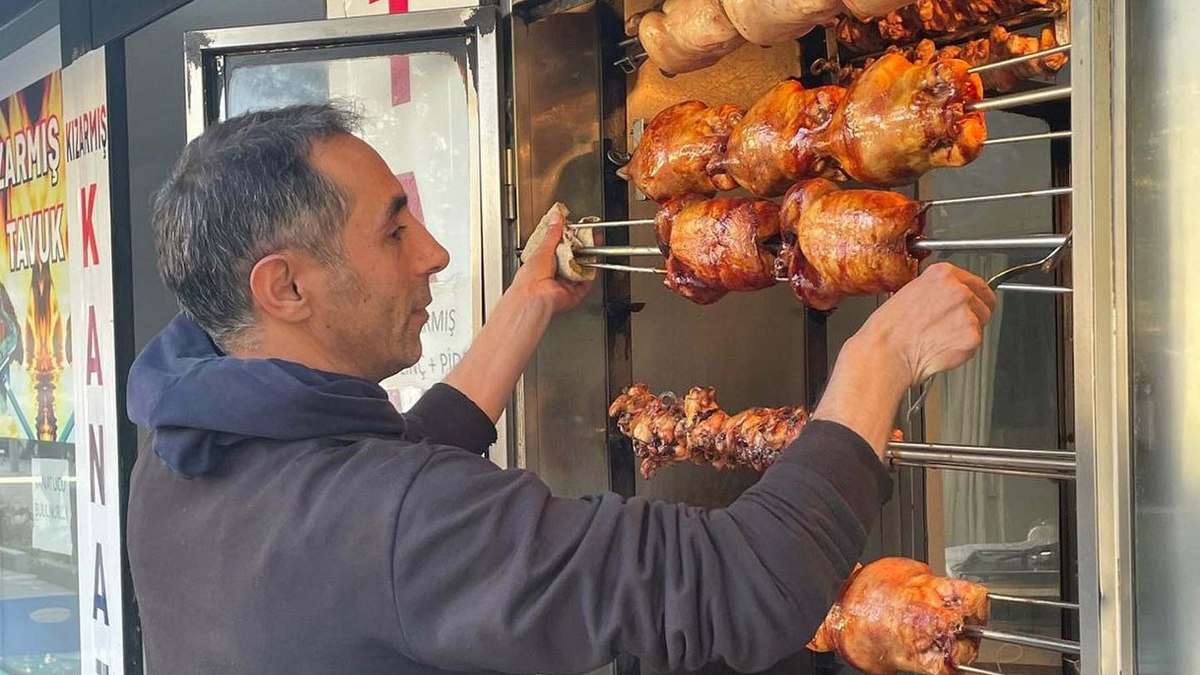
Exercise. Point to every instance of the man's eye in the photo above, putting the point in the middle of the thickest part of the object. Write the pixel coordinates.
(397, 232)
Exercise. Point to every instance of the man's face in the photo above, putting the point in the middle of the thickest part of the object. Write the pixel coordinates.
(372, 307)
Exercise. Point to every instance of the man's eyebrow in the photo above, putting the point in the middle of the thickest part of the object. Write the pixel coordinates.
(395, 206)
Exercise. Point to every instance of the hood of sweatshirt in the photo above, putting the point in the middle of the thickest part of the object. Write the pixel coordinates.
(201, 403)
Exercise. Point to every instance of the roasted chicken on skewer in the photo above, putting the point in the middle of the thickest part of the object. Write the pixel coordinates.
(847, 242)
(998, 46)
(719, 245)
(683, 151)
(897, 121)
(666, 430)
(930, 18)
(900, 120)
(781, 139)
(893, 615)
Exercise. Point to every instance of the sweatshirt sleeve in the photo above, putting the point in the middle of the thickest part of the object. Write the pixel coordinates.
(494, 573)
(445, 416)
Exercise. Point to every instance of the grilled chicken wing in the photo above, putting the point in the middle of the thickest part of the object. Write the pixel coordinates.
(894, 615)
(685, 35)
(721, 245)
(683, 151)
(781, 138)
(929, 18)
(900, 120)
(700, 431)
(847, 242)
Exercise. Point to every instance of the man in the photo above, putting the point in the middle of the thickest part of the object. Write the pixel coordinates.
(284, 518)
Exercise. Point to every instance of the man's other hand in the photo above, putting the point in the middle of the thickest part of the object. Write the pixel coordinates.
(935, 323)
(537, 279)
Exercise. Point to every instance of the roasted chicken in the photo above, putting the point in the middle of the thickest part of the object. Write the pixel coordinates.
(847, 242)
(721, 245)
(685, 35)
(683, 151)
(666, 430)
(893, 615)
(900, 120)
(998, 46)
(930, 18)
(781, 138)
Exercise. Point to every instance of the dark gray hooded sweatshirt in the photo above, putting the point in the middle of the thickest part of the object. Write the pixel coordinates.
(285, 520)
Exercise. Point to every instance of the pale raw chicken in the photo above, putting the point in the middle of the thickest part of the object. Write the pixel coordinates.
(864, 9)
(685, 35)
(894, 615)
(768, 22)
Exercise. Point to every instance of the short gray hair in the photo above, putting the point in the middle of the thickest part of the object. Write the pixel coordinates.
(242, 190)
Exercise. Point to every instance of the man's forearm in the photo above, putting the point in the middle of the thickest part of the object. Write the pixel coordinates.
(489, 370)
(864, 390)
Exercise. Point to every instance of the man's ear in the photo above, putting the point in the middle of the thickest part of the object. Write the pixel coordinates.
(275, 283)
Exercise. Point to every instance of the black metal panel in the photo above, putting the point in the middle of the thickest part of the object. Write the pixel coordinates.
(122, 253)
(87, 24)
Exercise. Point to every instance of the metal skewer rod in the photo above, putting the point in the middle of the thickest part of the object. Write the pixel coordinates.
(953, 201)
(1034, 601)
(1023, 98)
(1049, 192)
(1035, 289)
(1039, 241)
(1023, 473)
(1020, 59)
(976, 671)
(982, 450)
(969, 459)
(1049, 135)
(1035, 641)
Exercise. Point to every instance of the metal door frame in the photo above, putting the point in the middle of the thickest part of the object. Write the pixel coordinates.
(1101, 328)
(205, 50)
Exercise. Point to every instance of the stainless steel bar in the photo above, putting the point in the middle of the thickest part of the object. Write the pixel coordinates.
(1003, 243)
(1011, 462)
(618, 250)
(624, 268)
(1048, 192)
(1016, 60)
(1035, 641)
(1048, 136)
(1035, 288)
(981, 450)
(1024, 473)
(1023, 98)
(609, 223)
(1037, 241)
(976, 671)
(1033, 601)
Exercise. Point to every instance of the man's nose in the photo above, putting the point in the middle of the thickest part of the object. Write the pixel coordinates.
(436, 256)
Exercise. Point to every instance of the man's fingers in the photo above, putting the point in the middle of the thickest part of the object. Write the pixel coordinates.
(981, 310)
(979, 287)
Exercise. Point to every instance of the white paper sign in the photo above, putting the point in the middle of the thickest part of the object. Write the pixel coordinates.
(52, 505)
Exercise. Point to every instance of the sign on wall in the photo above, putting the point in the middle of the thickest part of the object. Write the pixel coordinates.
(85, 145)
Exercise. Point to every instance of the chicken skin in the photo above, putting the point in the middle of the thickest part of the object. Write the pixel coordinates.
(683, 151)
(894, 615)
(900, 120)
(847, 242)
